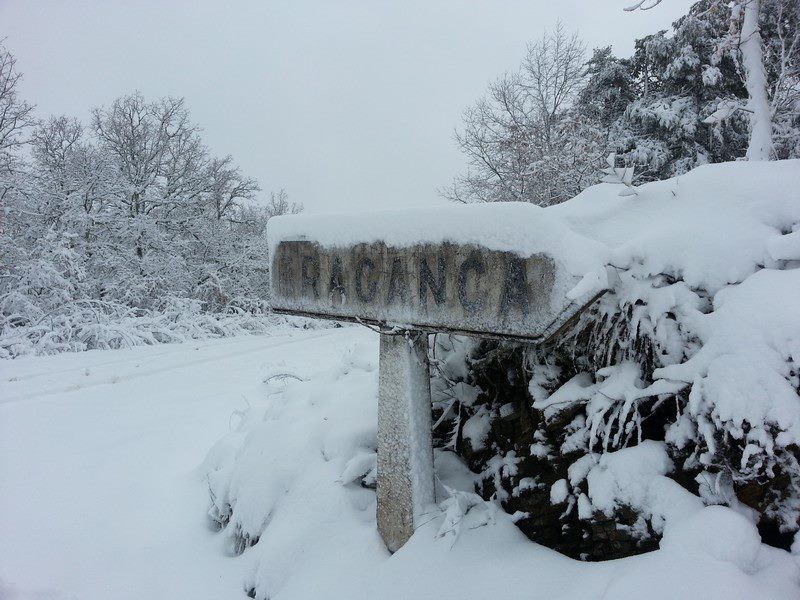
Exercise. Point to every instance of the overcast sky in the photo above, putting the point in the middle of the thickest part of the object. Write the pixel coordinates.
(345, 104)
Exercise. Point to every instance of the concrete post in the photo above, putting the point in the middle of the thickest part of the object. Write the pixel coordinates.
(405, 454)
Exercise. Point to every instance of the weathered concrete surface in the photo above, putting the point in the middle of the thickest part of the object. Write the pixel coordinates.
(438, 287)
(405, 454)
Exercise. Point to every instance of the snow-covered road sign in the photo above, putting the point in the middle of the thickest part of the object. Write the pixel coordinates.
(407, 292)
(430, 287)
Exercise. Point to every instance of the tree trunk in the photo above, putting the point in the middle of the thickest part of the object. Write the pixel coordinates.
(760, 147)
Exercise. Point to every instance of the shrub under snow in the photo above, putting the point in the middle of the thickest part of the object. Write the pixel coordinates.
(88, 324)
(695, 345)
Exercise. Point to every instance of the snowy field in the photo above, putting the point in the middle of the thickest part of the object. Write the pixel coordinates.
(102, 494)
(106, 472)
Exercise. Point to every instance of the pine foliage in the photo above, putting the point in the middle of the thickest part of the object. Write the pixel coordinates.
(679, 101)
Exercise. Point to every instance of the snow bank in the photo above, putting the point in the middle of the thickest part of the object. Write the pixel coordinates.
(711, 227)
(707, 270)
(745, 373)
(324, 428)
(706, 267)
(294, 481)
(636, 477)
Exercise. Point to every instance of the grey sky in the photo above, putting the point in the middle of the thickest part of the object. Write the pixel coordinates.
(345, 104)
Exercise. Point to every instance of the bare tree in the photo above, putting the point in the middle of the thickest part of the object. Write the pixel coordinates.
(16, 116)
(157, 150)
(552, 73)
(642, 5)
(279, 204)
(520, 139)
(53, 140)
(228, 187)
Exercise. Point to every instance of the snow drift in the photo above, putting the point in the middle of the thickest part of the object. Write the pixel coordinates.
(705, 267)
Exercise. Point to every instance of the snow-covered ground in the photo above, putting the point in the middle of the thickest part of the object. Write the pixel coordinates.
(101, 491)
(105, 472)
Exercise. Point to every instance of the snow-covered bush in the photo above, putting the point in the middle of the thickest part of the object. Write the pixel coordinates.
(78, 325)
(694, 347)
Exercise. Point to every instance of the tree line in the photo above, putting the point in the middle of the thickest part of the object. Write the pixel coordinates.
(723, 84)
(113, 219)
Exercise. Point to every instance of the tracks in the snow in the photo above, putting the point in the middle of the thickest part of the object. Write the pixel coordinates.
(12, 394)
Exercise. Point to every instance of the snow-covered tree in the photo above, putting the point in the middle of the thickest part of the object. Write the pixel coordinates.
(683, 81)
(780, 34)
(228, 188)
(686, 97)
(523, 140)
(755, 29)
(760, 146)
(125, 231)
(16, 117)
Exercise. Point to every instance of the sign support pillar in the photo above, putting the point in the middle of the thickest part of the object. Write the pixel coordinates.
(405, 451)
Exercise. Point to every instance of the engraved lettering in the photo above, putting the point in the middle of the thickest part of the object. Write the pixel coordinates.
(336, 291)
(458, 288)
(285, 269)
(309, 274)
(398, 282)
(427, 281)
(366, 283)
(475, 264)
(515, 286)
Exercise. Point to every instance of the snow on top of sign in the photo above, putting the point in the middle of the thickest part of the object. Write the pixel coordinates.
(667, 227)
(517, 227)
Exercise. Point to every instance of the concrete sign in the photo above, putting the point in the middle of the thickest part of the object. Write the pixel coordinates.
(432, 287)
(407, 292)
